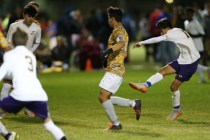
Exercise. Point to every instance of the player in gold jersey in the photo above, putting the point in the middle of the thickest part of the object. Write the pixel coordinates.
(113, 61)
(3, 43)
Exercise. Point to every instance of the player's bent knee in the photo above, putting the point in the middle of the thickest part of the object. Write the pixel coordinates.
(103, 97)
(173, 88)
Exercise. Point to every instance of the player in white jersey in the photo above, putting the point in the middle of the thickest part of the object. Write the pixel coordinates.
(196, 31)
(184, 67)
(27, 91)
(30, 25)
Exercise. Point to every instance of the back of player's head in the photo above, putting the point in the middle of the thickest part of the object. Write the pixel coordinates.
(115, 12)
(163, 24)
(31, 10)
(19, 37)
(189, 10)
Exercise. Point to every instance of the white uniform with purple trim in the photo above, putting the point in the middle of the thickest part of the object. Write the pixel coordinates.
(188, 52)
(20, 64)
(33, 31)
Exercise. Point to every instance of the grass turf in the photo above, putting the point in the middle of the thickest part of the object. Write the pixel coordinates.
(75, 108)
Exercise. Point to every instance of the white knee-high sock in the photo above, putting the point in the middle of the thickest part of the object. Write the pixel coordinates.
(110, 112)
(5, 90)
(176, 99)
(54, 130)
(202, 67)
(122, 101)
(154, 79)
(3, 130)
(200, 70)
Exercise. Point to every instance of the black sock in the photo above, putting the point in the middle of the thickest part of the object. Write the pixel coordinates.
(63, 138)
(7, 136)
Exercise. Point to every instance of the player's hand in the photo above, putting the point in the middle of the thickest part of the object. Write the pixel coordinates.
(105, 54)
(137, 45)
(104, 63)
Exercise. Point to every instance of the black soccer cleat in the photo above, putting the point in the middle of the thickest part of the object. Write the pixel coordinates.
(137, 109)
(114, 127)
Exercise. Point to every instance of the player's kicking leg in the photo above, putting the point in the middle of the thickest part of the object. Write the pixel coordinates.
(151, 81)
(138, 86)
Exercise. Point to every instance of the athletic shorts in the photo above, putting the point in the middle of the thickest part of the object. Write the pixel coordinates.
(184, 71)
(39, 108)
(111, 82)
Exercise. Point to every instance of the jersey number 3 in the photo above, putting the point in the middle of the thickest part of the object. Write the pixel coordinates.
(30, 64)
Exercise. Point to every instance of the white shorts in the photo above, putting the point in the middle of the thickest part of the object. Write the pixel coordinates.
(111, 82)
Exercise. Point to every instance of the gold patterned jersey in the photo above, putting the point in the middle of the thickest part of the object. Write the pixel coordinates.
(115, 61)
(3, 41)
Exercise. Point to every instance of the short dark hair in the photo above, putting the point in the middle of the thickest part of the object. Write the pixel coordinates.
(163, 24)
(19, 37)
(189, 10)
(34, 3)
(31, 10)
(115, 12)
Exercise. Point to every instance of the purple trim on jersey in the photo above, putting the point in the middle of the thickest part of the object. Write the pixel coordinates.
(11, 105)
(185, 71)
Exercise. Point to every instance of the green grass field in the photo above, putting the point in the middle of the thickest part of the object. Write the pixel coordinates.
(74, 107)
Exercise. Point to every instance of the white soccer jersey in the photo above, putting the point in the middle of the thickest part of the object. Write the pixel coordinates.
(188, 52)
(193, 27)
(33, 31)
(20, 64)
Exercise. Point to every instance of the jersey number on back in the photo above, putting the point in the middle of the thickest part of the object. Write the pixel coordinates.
(30, 64)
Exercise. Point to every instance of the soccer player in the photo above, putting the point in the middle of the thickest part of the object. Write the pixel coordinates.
(113, 61)
(27, 91)
(3, 43)
(32, 28)
(184, 67)
(196, 31)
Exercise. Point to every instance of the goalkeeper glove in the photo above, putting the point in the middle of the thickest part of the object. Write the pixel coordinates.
(105, 55)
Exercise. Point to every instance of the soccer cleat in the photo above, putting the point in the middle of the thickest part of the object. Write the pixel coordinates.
(29, 113)
(114, 127)
(137, 109)
(174, 115)
(13, 136)
(138, 86)
(202, 81)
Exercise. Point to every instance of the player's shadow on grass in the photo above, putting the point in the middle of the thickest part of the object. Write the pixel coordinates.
(25, 119)
(194, 123)
(139, 133)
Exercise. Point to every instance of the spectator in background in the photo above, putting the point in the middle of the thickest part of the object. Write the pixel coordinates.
(153, 18)
(198, 13)
(61, 54)
(178, 17)
(88, 48)
(43, 53)
(145, 34)
(93, 23)
(130, 26)
(165, 54)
